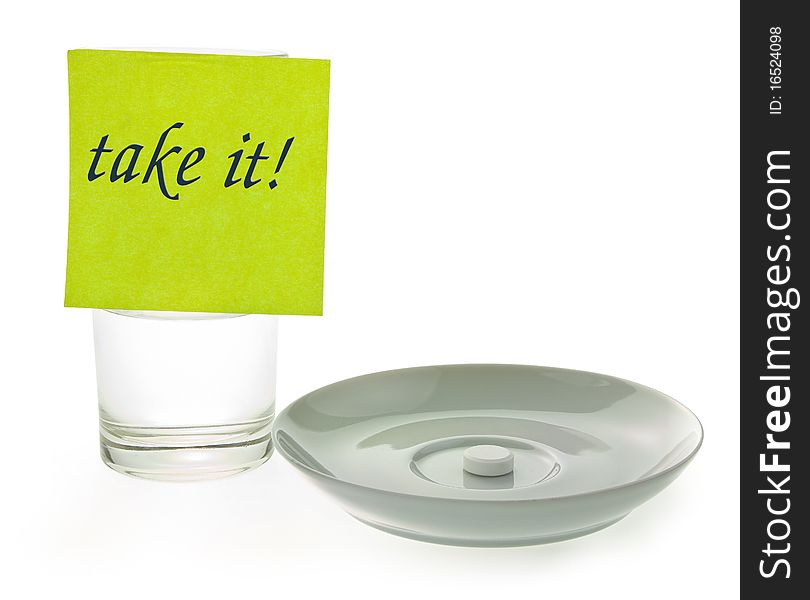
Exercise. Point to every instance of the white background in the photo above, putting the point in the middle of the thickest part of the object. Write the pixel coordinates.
(546, 183)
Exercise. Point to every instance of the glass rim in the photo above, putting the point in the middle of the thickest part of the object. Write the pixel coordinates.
(171, 315)
(220, 51)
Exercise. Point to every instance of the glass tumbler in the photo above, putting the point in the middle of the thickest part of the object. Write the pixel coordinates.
(184, 396)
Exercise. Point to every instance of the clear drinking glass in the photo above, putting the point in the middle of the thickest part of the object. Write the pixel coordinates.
(184, 395)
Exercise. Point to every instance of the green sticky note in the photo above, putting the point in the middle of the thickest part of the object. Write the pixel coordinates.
(197, 182)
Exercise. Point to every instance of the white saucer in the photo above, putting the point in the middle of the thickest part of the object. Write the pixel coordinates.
(567, 452)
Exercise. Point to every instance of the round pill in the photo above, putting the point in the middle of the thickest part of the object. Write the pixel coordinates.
(488, 460)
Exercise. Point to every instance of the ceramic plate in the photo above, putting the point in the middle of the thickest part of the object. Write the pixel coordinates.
(488, 455)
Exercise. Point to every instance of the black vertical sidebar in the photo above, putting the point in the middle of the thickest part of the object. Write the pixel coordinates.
(774, 362)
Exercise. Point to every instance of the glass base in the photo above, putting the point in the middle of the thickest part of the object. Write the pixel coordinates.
(185, 453)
